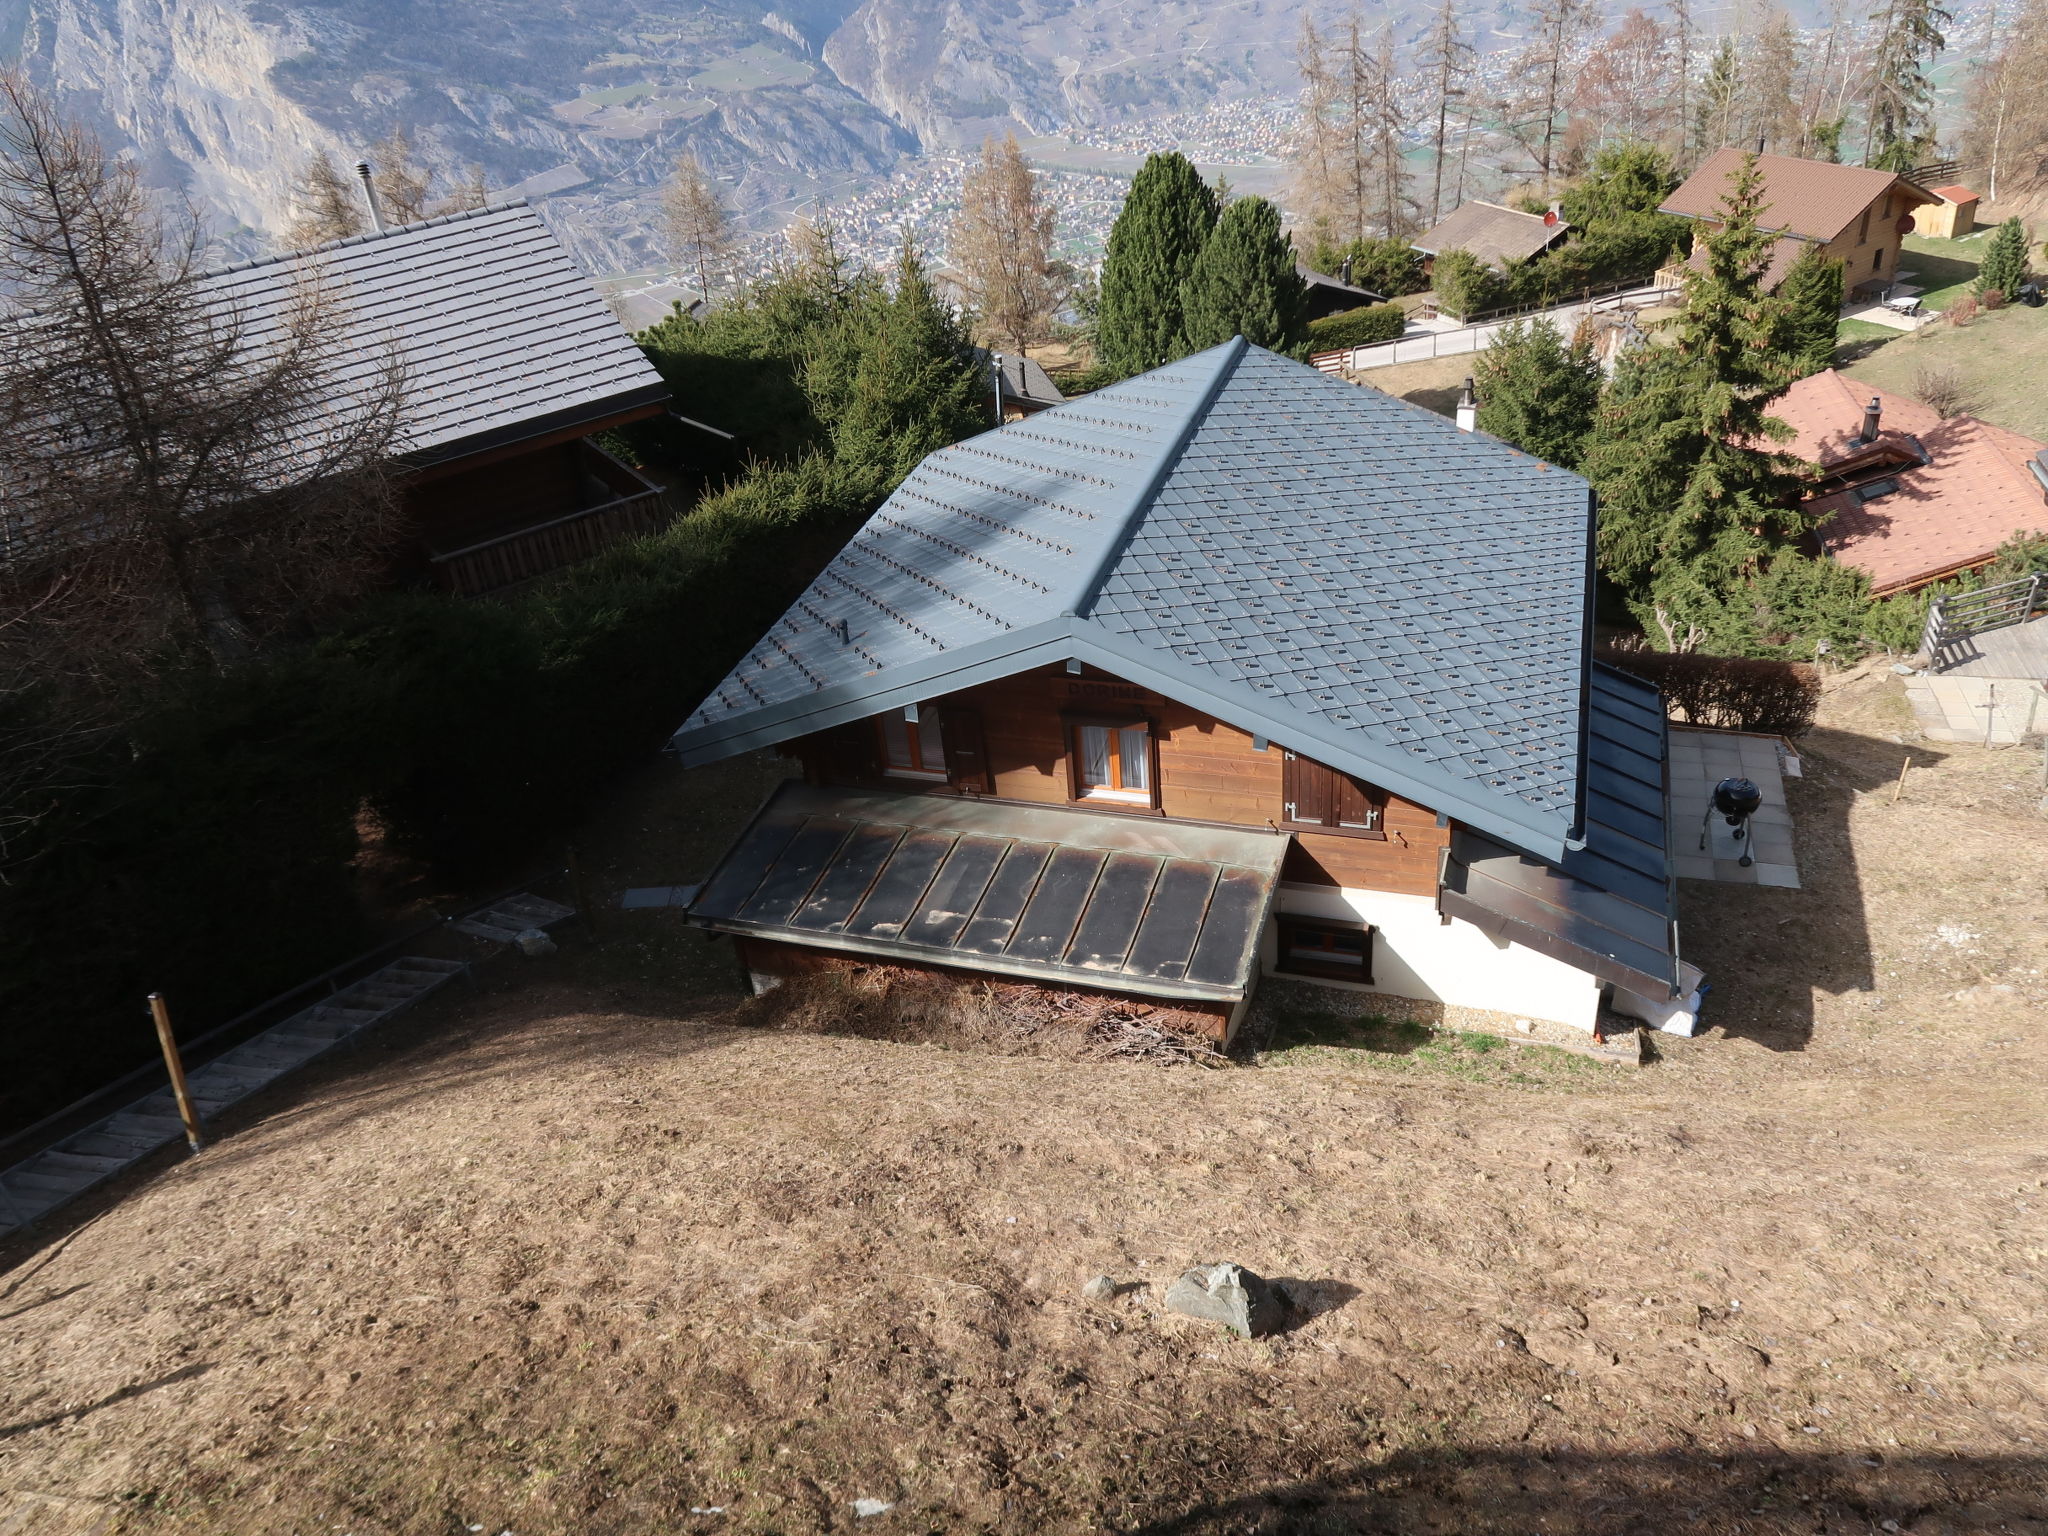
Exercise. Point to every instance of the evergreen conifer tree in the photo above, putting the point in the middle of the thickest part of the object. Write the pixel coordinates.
(1537, 392)
(1244, 283)
(1693, 501)
(1164, 224)
(2005, 259)
(1813, 289)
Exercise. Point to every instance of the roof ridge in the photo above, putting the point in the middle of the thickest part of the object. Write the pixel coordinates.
(367, 238)
(1084, 592)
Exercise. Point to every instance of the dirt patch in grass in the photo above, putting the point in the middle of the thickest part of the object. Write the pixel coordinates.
(577, 1252)
(1433, 384)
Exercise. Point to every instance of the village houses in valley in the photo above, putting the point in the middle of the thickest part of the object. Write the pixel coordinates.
(1226, 670)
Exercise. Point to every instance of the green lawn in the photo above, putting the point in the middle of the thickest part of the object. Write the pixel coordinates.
(2003, 356)
(1310, 1038)
(1944, 269)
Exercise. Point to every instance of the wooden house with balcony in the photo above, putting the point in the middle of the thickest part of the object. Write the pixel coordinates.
(1855, 215)
(512, 364)
(1227, 670)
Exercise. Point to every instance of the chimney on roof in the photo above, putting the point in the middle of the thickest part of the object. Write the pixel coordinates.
(996, 373)
(370, 195)
(1871, 414)
(1468, 408)
(1344, 272)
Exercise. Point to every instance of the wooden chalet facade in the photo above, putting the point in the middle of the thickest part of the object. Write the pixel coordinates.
(1229, 670)
(511, 363)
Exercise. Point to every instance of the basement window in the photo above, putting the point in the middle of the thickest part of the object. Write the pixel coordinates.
(1325, 947)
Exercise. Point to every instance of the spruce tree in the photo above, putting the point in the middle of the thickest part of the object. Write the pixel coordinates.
(1813, 289)
(1538, 393)
(2005, 260)
(1164, 224)
(1244, 283)
(1693, 501)
(1900, 124)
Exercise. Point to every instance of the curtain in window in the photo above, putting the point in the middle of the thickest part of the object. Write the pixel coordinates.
(1095, 756)
(1134, 750)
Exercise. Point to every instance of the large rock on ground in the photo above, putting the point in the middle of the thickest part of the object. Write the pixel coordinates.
(1228, 1294)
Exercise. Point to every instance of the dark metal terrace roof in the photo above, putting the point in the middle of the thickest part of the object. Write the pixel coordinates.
(500, 333)
(1611, 906)
(1325, 565)
(1160, 908)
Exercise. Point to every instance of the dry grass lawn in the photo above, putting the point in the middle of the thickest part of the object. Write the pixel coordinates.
(1999, 355)
(575, 1253)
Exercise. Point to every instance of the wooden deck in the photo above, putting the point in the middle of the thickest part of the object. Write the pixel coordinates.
(2018, 650)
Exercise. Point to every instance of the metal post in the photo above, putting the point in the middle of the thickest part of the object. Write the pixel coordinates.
(161, 1012)
(996, 367)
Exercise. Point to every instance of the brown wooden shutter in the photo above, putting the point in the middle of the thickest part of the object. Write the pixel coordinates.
(1306, 788)
(1356, 805)
(966, 749)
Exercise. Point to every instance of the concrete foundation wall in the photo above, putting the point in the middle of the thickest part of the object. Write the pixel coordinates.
(1416, 954)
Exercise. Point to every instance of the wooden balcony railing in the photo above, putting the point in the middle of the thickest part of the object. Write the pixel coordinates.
(519, 555)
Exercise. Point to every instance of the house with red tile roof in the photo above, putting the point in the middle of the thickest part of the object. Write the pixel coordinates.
(1909, 497)
(1856, 215)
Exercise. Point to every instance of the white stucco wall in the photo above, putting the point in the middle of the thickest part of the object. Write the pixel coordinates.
(1416, 954)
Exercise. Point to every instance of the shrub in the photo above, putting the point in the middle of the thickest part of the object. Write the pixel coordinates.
(1991, 298)
(1360, 327)
(1733, 692)
(1465, 286)
(1962, 311)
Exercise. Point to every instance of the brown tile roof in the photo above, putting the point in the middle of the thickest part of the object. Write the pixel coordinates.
(1815, 199)
(1492, 233)
(1784, 251)
(1975, 492)
(1955, 194)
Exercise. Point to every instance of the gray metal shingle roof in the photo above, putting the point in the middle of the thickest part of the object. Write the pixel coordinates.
(1609, 906)
(1318, 563)
(497, 328)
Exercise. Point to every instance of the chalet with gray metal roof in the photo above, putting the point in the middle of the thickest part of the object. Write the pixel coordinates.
(1231, 593)
(511, 361)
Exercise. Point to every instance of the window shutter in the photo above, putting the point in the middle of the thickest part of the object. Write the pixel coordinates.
(966, 749)
(1306, 788)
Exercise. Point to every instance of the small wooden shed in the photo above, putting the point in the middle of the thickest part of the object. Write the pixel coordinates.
(1950, 218)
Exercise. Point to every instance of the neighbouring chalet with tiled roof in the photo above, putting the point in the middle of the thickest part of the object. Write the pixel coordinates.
(1494, 234)
(1228, 669)
(1906, 496)
(1856, 215)
(511, 361)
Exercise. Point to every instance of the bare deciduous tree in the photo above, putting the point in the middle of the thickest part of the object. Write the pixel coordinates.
(1535, 113)
(2007, 129)
(1625, 91)
(1349, 172)
(1002, 244)
(179, 481)
(699, 229)
(401, 181)
(1447, 59)
(325, 206)
(1771, 85)
(470, 194)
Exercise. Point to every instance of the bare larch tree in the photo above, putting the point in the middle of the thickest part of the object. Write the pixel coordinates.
(399, 178)
(1447, 58)
(325, 205)
(698, 228)
(179, 481)
(1002, 243)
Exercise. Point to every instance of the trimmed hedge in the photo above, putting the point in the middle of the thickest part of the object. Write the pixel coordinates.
(1360, 327)
(1737, 693)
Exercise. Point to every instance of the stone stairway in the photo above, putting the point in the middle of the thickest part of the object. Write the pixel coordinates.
(38, 1185)
(503, 921)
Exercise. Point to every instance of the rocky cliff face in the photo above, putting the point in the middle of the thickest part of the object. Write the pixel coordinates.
(224, 100)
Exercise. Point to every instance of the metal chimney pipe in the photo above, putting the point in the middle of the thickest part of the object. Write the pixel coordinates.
(370, 195)
(996, 369)
(1468, 409)
(1871, 413)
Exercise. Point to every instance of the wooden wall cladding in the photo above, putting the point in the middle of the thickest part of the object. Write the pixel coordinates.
(1208, 771)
